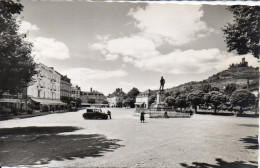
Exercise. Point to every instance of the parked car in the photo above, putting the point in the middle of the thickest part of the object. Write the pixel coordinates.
(94, 113)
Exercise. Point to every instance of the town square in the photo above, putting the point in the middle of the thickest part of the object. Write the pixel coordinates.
(129, 84)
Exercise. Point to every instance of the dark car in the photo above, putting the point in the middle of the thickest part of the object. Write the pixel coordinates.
(94, 113)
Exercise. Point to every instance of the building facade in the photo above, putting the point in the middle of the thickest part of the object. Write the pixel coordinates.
(65, 89)
(92, 95)
(116, 98)
(46, 85)
(44, 92)
(13, 103)
(75, 92)
(142, 99)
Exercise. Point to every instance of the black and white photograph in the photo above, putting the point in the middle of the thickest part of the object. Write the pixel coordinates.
(129, 83)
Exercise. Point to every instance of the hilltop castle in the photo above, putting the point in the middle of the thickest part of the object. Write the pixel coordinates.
(244, 63)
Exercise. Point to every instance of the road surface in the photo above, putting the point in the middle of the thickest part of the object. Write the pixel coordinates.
(199, 141)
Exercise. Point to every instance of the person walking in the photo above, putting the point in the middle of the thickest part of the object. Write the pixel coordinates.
(165, 114)
(142, 117)
(109, 114)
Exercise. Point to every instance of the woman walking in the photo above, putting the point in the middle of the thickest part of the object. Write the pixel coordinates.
(142, 117)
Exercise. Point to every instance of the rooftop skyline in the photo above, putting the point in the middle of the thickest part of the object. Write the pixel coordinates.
(124, 45)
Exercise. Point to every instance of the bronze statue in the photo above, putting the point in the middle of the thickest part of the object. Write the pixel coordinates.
(162, 81)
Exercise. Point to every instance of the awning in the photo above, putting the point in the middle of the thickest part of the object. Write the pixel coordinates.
(139, 103)
(10, 101)
(47, 101)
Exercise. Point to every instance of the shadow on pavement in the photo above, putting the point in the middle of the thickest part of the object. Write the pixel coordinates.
(249, 125)
(252, 141)
(217, 114)
(220, 164)
(39, 145)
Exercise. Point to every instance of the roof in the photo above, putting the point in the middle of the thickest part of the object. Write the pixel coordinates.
(117, 93)
(147, 92)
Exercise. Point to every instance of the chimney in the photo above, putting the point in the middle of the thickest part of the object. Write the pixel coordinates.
(91, 89)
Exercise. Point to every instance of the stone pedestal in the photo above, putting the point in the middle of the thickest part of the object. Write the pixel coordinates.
(160, 98)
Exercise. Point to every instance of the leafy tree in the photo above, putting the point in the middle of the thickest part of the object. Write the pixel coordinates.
(133, 93)
(170, 101)
(16, 66)
(195, 98)
(230, 88)
(206, 88)
(216, 98)
(214, 88)
(242, 98)
(151, 99)
(243, 34)
(167, 94)
(129, 102)
(181, 101)
(177, 93)
(78, 102)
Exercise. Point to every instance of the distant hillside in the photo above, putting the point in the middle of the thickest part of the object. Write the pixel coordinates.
(238, 75)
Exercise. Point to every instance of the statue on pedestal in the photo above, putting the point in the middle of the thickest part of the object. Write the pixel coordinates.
(162, 82)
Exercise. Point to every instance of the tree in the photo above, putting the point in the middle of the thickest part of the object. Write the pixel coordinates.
(181, 101)
(78, 102)
(17, 66)
(195, 98)
(242, 98)
(167, 94)
(214, 88)
(170, 101)
(230, 88)
(216, 98)
(243, 34)
(206, 88)
(133, 93)
(151, 99)
(176, 93)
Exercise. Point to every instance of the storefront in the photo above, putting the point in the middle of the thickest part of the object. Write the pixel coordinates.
(12, 106)
(46, 105)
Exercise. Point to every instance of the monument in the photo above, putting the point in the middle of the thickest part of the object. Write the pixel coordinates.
(161, 108)
(160, 97)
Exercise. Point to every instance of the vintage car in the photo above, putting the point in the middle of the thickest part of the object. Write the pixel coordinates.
(94, 113)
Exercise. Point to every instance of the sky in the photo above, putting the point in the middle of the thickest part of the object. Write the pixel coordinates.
(109, 45)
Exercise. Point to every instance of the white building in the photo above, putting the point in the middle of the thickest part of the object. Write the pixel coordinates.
(46, 85)
(75, 92)
(142, 99)
(116, 98)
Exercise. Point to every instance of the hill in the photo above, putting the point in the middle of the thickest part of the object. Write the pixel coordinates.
(237, 75)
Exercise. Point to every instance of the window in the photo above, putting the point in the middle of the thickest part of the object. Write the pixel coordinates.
(39, 93)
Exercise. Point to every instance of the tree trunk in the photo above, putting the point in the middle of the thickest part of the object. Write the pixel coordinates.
(215, 109)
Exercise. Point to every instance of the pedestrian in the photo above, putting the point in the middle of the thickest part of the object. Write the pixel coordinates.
(142, 117)
(109, 114)
(165, 114)
(191, 112)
